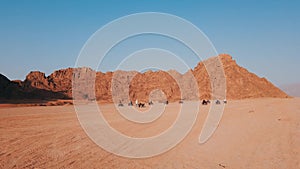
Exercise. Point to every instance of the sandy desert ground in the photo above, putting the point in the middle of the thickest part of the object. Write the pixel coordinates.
(253, 134)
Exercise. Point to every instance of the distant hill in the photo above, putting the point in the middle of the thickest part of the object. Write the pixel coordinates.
(241, 84)
(292, 89)
(20, 90)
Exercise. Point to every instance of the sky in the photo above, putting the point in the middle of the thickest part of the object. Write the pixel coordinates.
(262, 36)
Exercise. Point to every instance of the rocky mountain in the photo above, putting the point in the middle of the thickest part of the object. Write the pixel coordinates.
(131, 85)
(243, 84)
(9, 89)
(20, 90)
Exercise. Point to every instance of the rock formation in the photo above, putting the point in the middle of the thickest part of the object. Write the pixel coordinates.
(131, 85)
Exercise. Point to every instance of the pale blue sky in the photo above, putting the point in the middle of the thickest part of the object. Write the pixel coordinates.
(263, 36)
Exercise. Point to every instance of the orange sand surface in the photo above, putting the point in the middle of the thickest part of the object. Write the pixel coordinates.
(254, 133)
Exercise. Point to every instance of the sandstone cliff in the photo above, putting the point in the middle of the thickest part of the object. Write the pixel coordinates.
(131, 85)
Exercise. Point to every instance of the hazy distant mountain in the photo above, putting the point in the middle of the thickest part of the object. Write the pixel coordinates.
(292, 89)
(240, 83)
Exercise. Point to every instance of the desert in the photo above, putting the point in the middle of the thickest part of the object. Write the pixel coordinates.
(41, 127)
(149, 84)
(253, 133)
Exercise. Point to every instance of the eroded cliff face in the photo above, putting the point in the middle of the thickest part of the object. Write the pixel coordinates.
(131, 85)
(243, 84)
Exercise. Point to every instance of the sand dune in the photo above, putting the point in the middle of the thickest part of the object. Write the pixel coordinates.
(259, 133)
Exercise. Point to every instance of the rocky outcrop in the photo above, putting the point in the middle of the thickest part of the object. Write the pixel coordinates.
(142, 85)
(9, 89)
(131, 85)
(243, 84)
